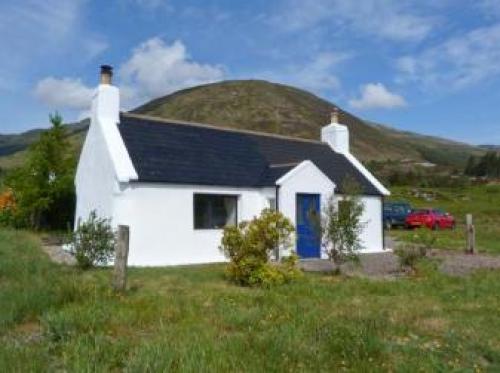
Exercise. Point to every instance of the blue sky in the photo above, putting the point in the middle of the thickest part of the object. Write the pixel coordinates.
(425, 66)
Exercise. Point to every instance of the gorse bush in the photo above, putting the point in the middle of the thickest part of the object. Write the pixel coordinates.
(249, 245)
(93, 242)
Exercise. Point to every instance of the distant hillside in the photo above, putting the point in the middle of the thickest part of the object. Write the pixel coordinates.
(276, 108)
(269, 107)
(13, 147)
(495, 148)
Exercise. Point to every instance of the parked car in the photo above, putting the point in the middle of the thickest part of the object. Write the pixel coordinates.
(395, 214)
(430, 218)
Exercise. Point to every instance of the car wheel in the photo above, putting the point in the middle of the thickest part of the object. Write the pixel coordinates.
(435, 227)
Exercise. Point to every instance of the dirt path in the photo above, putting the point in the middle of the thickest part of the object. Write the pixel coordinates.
(53, 248)
(460, 264)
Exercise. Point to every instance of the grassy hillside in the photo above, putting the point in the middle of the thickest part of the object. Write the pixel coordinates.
(269, 107)
(13, 147)
(276, 108)
(178, 319)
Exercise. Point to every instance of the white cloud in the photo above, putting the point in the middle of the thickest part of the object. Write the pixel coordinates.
(317, 75)
(153, 70)
(156, 69)
(63, 93)
(35, 23)
(456, 63)
(34, 32)
(490, 8)
(376, 95)
(92, 47)
(385, 19)
(152, 4)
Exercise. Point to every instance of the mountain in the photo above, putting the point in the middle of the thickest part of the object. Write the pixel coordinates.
(270, 107)
(263, 106)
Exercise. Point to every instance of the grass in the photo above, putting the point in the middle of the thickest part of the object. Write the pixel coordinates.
(191, 319)
(481, 201)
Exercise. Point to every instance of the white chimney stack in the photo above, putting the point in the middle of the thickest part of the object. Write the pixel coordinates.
(106, 100)
(336, 135)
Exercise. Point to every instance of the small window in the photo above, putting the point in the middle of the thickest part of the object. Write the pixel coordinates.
(214, 211)
(272, 203)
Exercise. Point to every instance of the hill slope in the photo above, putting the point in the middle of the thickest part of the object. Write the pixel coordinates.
(269, 107)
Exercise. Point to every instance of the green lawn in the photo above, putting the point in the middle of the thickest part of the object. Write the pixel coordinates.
(190, 319)
(481, 201)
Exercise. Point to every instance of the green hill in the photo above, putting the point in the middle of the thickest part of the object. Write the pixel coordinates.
(276, 108)
(269, 107)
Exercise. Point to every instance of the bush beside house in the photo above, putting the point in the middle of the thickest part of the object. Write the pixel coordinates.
(341, 224)
(93, 242)
(250, 245)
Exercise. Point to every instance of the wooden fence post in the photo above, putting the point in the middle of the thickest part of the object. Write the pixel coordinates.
(121, 257)
(471, 235)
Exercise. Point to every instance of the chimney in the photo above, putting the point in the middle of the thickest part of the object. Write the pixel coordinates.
(106, 74)
(106, 100)
(335, 134)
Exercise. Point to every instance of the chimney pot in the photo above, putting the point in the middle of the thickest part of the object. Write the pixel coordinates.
(335, 115)
(106, 74)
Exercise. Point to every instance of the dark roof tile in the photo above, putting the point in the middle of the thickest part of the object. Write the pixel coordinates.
(174, 152)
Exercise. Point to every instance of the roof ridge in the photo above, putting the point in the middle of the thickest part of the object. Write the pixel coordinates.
(215, 127)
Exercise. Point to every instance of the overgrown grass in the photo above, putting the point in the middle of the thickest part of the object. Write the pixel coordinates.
(481, 201)
(192, 319)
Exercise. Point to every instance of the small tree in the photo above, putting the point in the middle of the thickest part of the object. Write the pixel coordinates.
(93, 242)
(341, 224)
(249, 246)
(43, 187)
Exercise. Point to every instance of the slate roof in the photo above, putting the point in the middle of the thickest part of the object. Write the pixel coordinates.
(177, 152)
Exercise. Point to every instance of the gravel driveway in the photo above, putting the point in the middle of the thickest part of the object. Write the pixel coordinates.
(386, 264)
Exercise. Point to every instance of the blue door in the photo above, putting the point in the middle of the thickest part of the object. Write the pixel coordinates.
(308, 233)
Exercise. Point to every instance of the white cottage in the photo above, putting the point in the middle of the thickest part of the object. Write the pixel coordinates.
(177, 184)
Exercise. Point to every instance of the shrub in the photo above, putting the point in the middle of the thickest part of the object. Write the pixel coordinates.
(341, 224)
(249, 245)
(424, 239)
(409, 256)
(93, 242)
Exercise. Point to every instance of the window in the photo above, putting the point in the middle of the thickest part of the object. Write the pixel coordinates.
(399, 210)
(272, 203)
(214, 211)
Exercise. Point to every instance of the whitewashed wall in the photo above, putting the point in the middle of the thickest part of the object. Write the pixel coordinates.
(305, 179)
(95, 180)
(161, 221)
(372, 236)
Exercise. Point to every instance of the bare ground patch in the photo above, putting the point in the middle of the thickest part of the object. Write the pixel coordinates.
(386, 265)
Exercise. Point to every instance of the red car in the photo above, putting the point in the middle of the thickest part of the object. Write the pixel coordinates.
(430, 218)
